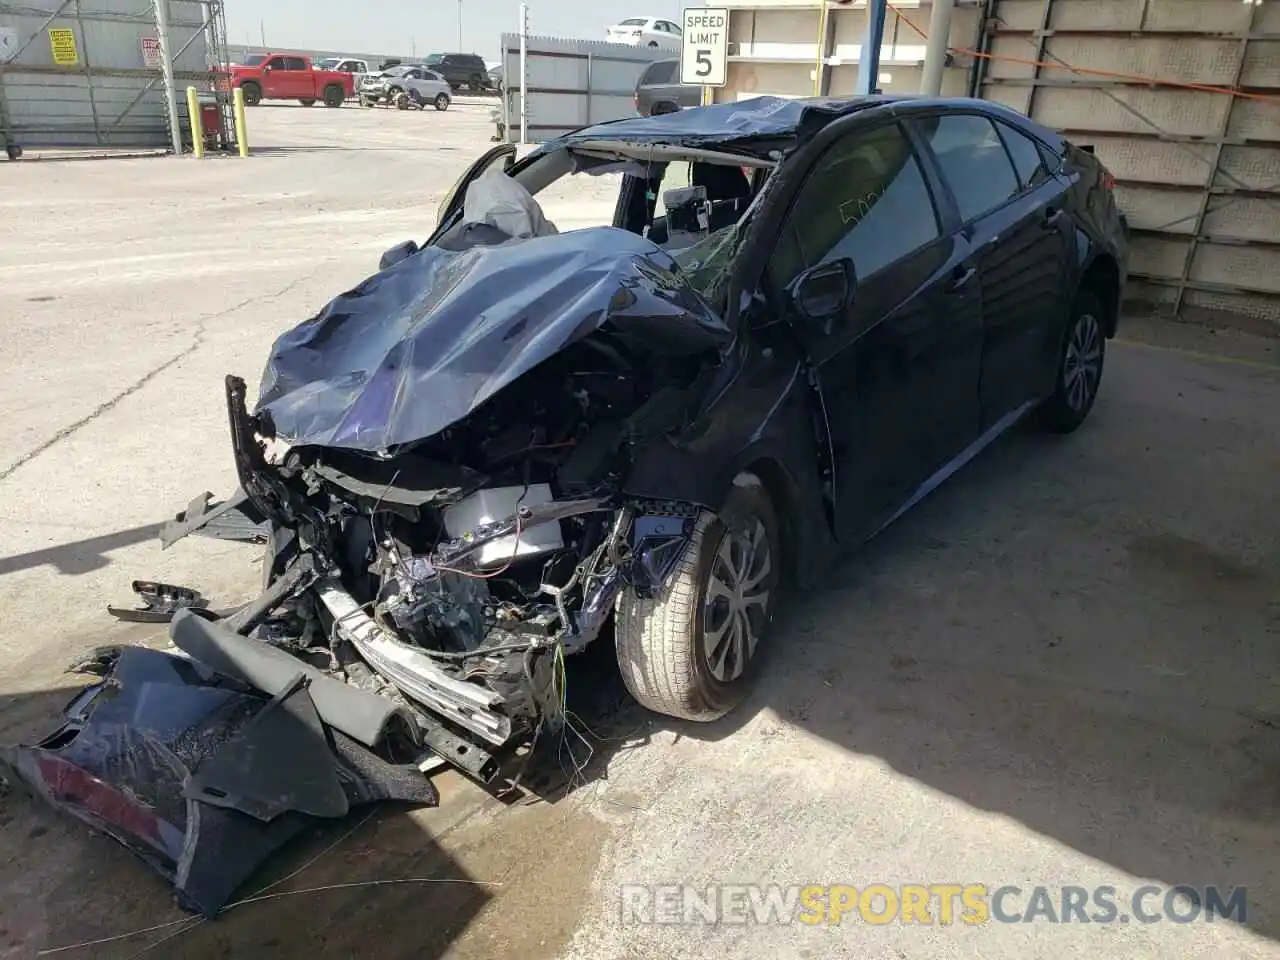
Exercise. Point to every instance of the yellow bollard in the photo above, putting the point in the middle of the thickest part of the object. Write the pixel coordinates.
(196, 121)
(242, 135)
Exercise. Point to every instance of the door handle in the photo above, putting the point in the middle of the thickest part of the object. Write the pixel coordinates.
(961, 277)
(1051, 217)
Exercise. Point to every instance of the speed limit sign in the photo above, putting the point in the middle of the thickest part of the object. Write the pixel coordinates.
(704, 52)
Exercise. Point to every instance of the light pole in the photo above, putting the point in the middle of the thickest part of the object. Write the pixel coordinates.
(460, 26)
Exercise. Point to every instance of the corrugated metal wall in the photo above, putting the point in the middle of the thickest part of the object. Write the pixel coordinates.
(98, 95)
(1199, 169)
(571, 83)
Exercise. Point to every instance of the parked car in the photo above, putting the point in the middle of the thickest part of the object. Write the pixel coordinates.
(659, 90)
(280, 76)
(386, 86)
(469, 464)
(461, 70)
(359, 69)
(646, 32)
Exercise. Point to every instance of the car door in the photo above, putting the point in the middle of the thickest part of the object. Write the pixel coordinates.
(898, 368)
(412, 80)
(275, 79)
(301, 79)
(433, 85)
(1019, 236)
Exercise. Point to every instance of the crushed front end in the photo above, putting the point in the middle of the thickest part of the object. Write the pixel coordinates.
(454, 569)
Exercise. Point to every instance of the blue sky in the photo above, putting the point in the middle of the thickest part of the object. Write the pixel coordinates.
(401, 26)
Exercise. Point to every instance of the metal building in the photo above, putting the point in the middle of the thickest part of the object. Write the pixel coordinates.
(89, 73)
(1181, 99)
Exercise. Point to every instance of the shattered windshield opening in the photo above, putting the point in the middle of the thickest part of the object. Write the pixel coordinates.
(708, 263)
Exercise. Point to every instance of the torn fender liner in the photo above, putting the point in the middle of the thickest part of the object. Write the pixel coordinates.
(142, 753)
(420, 345)
(363, 716)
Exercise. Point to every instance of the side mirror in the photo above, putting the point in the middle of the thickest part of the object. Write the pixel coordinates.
(401, 251)
(822, 293)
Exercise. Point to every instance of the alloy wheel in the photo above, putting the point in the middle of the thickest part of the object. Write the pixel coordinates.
(1082, 364)
(736, 605)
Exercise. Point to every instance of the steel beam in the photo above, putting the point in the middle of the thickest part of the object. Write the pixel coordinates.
(869, 60)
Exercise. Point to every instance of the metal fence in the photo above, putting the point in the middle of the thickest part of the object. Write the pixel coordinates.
(89, 73)
(570, 83)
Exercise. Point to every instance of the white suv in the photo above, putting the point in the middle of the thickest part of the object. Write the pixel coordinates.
(428, 84)
(646, 32)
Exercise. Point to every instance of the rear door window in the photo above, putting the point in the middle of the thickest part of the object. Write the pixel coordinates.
(973, 162)
(662, 72)
(277, 63)
(866, 200)
(295, 63)
(1027, 159)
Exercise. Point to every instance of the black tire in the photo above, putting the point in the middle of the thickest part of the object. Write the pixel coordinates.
(442, 101)
(653, 43)
(252, 94)
(661, 642)
(393, 93)
(307, 103)
(665, 107)
(1081, 358)
(334, 96)
(476, 83)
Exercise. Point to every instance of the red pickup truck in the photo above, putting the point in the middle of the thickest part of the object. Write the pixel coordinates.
(289, 76)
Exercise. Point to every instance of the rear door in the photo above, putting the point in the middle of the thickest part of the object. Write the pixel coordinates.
(1015, 225)
(899, 372)
(299, 78)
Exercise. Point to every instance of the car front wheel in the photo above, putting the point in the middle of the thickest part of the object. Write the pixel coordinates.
(691, 651)
(1080, 362)
(442, 101)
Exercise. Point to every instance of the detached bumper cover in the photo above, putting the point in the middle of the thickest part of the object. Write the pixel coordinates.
(199, 775)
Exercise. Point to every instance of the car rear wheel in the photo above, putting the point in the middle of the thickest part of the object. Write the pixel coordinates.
(1080, 363)
(307, 102)
(692, 650)
(252, 94)
(442, 101)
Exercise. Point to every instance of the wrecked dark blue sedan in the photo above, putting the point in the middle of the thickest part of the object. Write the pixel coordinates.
(805, 316)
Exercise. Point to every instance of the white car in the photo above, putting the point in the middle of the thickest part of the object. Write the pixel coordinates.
(646, 32)
(359, 69)
(427, 84)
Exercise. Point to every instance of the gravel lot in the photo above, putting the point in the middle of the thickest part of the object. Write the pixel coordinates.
(1061, 669)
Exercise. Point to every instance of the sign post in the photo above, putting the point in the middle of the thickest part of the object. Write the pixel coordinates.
(704, 48)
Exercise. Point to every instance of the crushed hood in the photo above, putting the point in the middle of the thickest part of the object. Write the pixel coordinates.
(422, 344)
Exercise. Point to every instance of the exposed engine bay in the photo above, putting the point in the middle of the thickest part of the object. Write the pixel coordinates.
(488, 551)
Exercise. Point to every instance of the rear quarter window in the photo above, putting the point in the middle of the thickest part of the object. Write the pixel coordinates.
(1028, 161)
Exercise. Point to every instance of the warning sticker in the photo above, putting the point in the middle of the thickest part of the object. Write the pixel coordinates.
(63, 43)
(151, 52)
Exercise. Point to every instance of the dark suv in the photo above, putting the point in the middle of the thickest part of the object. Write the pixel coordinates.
(461, 70)
(659, 90)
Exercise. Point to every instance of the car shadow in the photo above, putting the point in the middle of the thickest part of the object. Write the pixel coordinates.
(1044, 650)
(80, 556)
